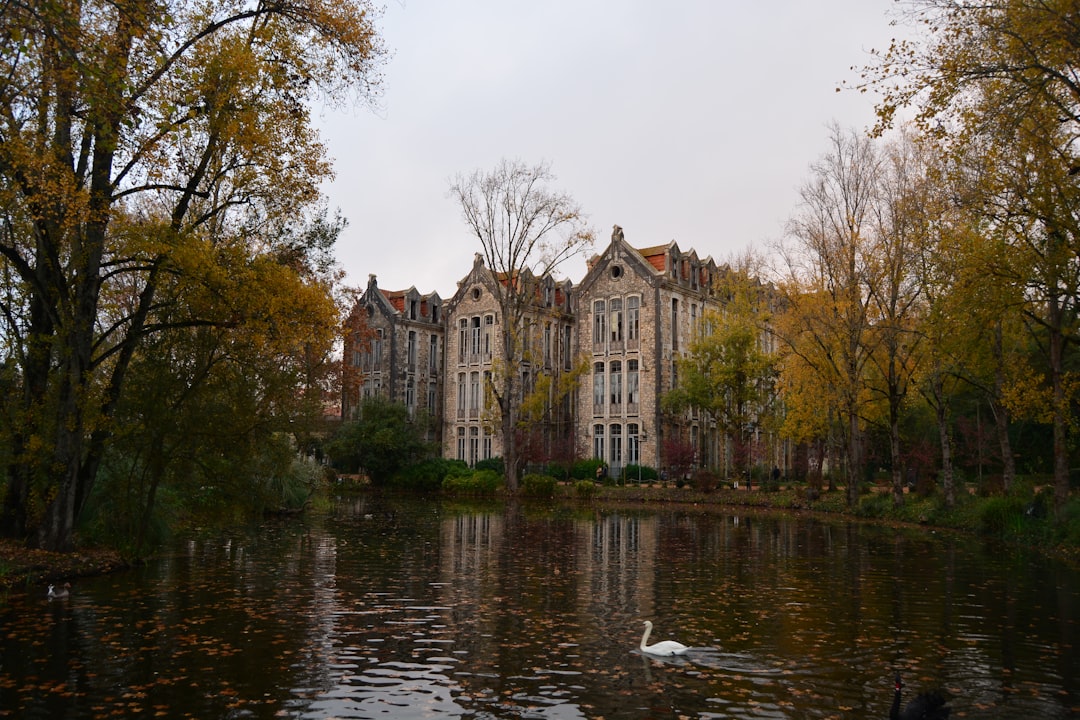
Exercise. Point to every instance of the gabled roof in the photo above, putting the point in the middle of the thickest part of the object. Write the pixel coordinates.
(619, 249)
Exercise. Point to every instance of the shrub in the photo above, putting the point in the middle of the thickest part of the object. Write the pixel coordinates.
(631, 473)
(874, 505)
(585, 489)
(480, 482)
(494, 463)
(705, 481)
(538, 485)
(585, 469)
(999, 515)
(427, 475)
(559, 470)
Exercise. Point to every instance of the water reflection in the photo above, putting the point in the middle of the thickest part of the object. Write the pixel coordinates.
(392, 607)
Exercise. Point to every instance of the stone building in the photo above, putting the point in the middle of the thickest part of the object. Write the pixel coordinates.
(638, 311)
(634, 314)
(474, 354)
(394, 349)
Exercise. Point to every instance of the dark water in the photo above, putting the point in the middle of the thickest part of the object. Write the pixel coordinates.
(391, 608)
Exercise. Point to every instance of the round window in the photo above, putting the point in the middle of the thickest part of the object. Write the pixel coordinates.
(616, 271)
(476, 293)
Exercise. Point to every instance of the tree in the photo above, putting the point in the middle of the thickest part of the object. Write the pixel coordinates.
(826, 298)
(728, 373)
(1001, 78)
(526, 231)
(381, 441)
(138, 142)
(895, 296)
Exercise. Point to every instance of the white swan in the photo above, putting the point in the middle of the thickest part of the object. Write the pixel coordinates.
(664, 648)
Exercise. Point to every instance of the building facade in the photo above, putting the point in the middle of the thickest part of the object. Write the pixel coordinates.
(393, 349)
(475, 354)
(639, 311)
(634, 314)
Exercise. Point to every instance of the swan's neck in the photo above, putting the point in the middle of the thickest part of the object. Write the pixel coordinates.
(645, 636)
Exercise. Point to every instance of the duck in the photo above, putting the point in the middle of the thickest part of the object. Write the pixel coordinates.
(664, 648)
(58, 594)
(929, 705)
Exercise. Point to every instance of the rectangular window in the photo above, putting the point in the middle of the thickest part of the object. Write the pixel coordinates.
(475, 349)
(474, 445)
(632, 321)
(598, 388)
(461, 444)
(411, 351)
(433, 354)
(632, 386)
(461, 397)
(674, 324)
(615, 326)
(410, 396)
(474, 394)
(547, 344)
(487, 443)
(463, 339)
(633, 444)
(489, 326)
(377, 352)
(432, 399)
(567, 350)
(616, 386)
(599, 324)
(615, 459)
(598, 442)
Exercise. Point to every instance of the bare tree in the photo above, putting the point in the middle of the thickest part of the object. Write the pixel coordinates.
(526, 230)
(829, 261)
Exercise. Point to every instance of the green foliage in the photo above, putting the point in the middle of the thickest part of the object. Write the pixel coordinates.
(482, 482)
(585, 489)
(633, 473)
(585, 469)
(494, 463)
(536, 485)
(428, 474)
(381, 442)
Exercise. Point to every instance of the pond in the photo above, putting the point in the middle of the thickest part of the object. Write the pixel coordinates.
(392, 607)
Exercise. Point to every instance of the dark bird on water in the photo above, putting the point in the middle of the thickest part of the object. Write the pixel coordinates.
(925, 706)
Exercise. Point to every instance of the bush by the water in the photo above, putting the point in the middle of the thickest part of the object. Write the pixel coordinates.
(428, 474)
(538, 485)
(586, 469)
(492, 463)
(585, 489)
(481, 482)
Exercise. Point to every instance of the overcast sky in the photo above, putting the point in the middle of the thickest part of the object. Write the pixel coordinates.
(692, 120)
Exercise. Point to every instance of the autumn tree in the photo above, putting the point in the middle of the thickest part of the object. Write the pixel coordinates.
(526, 231)
(1001, 77)
(901, 229)
(140, 143)
(826, 262)
(729, 372)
